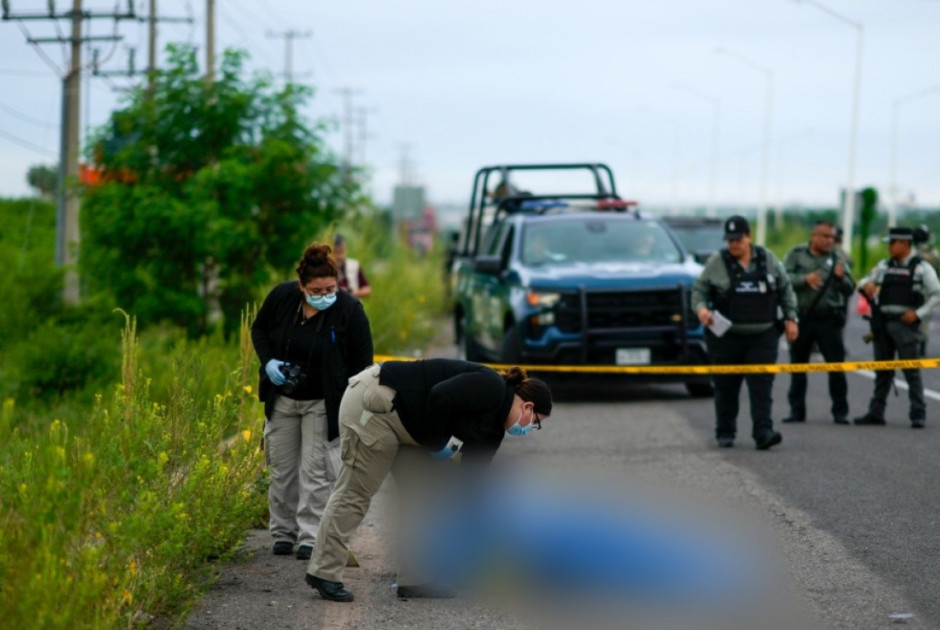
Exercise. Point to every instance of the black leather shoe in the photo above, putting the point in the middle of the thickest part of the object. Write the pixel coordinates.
(869, 419)
(429, 591)
(840, 420)
(918, 424)
(791, 419)
(725, 442)
(769, 439)
(333, 591)
(304, 552)
(283, 548)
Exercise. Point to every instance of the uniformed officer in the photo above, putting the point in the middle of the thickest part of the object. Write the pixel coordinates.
(845, 251)
(821, 279)
(903, 290)
(923, 242)
(747, 285)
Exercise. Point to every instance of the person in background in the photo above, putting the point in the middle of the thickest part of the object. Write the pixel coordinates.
(923, 241)
(845, 251)
(351, 276)
(310, 337)
(748, 285)
(438, 408)
(822, 281)
(903, 290)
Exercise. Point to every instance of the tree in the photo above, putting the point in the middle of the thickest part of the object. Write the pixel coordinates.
(867, 215)
(208, 193)
(43, 178)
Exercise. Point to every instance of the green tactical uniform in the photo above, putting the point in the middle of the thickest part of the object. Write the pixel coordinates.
(929, 254)
(715, 278)
(822, 317)
(800, 261)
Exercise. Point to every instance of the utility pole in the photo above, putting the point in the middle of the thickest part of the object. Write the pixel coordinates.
(131, 71)
(347, 94)
(152, 20)
(364, 135)
(210, 41)
(151, 45)
(68, 207)
(289, 37)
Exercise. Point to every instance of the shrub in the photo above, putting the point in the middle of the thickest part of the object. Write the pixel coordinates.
(112, 521)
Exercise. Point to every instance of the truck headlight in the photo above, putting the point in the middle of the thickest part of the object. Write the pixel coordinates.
(545, 300)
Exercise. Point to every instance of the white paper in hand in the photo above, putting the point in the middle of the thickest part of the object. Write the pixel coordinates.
(720, 324)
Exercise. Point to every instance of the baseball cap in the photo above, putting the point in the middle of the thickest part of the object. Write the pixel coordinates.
(899, 234)
(736, 227)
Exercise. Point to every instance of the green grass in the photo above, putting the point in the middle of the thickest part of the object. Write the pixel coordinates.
(130, 461)
(111, 520)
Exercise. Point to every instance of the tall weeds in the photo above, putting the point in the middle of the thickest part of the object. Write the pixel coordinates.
(112, 523)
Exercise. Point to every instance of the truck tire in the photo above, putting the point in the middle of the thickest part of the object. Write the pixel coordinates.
(467, 350)
(511, 352)
(699, 389)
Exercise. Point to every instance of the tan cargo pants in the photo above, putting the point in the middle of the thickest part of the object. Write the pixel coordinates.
(370, 436)
(303, 466)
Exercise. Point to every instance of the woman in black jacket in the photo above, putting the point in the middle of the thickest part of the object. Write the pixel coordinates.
(311, 337)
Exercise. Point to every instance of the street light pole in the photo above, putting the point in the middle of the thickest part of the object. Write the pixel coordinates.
(848, 203)
(765, 143)
(713, 158)
(895, 114)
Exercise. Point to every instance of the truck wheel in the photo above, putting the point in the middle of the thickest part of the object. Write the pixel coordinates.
(468, 348)
(698, 389)
(511, 352)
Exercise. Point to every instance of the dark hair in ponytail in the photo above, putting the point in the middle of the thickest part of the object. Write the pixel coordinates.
(531, 390)
(317, 262)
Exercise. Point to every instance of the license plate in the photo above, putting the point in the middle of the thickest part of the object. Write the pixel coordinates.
(633, 356)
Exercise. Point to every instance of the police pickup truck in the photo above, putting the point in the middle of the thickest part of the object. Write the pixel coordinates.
(579, 277)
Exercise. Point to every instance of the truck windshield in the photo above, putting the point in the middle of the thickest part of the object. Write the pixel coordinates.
(593, 239)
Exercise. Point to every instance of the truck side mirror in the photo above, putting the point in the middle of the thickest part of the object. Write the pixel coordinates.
(491, 265)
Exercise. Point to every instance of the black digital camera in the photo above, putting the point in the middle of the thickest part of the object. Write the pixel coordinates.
(294, 377)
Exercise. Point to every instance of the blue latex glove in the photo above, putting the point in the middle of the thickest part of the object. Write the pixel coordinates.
(274, 373)
(444, 453)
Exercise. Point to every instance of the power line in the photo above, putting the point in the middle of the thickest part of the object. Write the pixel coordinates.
(289, 36)
(26, 117)
(26, 144)
(24, 73)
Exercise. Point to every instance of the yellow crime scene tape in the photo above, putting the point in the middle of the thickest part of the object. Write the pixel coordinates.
(767, 368)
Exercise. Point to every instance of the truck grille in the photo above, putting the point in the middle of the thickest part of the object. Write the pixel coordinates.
(613, 310)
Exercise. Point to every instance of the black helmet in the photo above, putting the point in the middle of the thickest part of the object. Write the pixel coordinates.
(921, 234)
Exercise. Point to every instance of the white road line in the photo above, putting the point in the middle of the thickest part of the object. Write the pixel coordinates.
(900, 384)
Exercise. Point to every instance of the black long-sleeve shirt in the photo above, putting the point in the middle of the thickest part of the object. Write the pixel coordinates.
(333, 345)
(440, 398)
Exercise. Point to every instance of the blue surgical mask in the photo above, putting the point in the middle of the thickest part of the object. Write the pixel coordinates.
(518, 430)
(321, 302)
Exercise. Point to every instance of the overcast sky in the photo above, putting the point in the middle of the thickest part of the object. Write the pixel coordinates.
(451, 86)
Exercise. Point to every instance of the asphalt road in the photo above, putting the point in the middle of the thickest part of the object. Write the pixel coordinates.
(846, 517)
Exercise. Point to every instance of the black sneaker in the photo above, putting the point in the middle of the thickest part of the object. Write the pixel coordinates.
(304, 552)
(333, 591)
(869, 420)
(791, 419)
(429, 591)
(771, 438)
(840, 420)
(918, 424)
(283, 548)
(725, 442)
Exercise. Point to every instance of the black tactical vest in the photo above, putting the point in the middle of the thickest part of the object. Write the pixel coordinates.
(897, 285)
(752, 296)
